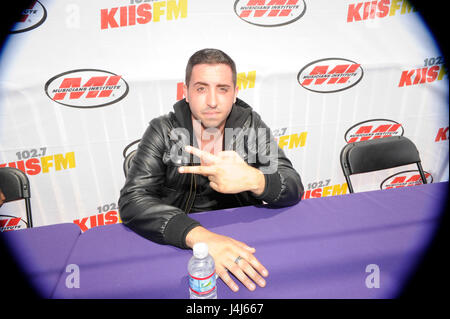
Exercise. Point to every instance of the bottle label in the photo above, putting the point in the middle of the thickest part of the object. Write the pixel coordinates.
(202, 286)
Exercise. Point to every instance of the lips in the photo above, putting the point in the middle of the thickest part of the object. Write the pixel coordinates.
(210, 114)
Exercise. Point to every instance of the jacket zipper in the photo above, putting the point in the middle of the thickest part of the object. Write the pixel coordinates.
(188, 207)
(189, 197)
(230, 147)
(190, 193)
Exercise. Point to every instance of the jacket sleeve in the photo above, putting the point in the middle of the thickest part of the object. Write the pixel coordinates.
(283, 183)
(140, 206)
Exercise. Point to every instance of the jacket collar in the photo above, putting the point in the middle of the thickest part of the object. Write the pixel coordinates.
(238, 115)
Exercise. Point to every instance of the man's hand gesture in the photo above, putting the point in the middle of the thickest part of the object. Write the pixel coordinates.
(227, 172)
(225, 251)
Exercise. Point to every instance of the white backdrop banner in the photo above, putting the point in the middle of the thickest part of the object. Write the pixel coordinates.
(81, 80)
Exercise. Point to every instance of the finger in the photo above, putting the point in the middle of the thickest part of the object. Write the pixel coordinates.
(227, 154)
(205, 156)
(215, 186)
(230, 156)
(202, 170)
(223, 274)
(254, 262)
(239, 274)
(251, 272)
(218, 187)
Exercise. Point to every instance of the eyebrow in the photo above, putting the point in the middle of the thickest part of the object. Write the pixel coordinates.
(207, 84)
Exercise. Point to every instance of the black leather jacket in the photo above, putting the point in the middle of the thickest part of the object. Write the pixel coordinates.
(156, 200)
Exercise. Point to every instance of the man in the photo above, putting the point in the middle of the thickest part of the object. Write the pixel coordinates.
(215, 129)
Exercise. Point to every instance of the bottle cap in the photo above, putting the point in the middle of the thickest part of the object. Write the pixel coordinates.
(200, 250)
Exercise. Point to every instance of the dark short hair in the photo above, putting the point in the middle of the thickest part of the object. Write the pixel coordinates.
(209, 56)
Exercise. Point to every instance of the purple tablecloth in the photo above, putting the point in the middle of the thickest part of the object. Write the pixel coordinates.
(319, 248)
(42, 253)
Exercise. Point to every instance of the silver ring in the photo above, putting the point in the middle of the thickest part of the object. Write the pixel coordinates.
(237, 259)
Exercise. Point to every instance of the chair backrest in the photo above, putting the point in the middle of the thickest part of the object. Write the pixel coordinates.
(127, 162)
(378, 154)
(128, 157)
(15, 186)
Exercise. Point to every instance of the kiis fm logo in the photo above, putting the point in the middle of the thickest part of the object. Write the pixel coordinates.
(269, 13)
(32, 17)
(433, 70)
(377, 9)
(442, 134)
(86, 88)
(330, 75)
(108, 218)
(323, 189)
(294, 140)
(8, 223)
(107, 215)
(142, 13)
(373, 129)
(404, 179)
(37, 165)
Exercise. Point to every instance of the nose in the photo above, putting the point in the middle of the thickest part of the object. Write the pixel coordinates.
(212, 99)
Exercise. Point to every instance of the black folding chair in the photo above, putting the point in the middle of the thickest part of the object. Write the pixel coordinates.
(378, 154)
(128, 157)
(15, 186)
(127, 162)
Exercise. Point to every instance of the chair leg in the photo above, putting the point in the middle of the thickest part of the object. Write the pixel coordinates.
(28, 208)
(349, 184)
(422, 174)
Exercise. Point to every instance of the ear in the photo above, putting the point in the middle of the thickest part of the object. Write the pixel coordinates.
(236, 90)
(185, 92)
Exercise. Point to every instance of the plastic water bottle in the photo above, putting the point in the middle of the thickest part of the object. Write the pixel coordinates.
(202, 274)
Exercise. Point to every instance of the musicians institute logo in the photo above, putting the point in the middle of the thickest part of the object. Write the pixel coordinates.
(32, 17)
(86, 88)
(330, 75)
(269, 13)
(405, 179)
(372, 129)
(8, 223)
